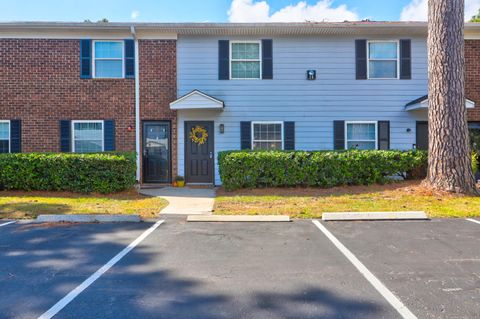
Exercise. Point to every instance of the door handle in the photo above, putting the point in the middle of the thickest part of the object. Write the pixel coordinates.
(211, 155)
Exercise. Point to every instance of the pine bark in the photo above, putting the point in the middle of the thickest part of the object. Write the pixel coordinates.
(449, 160)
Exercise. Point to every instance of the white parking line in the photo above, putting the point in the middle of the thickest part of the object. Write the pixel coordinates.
(473, 220)
(9, 223)
(90, 280)
(374, 281)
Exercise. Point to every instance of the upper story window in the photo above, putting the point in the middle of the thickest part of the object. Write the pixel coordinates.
(361, 135)
(245, 60)
(87, 136)
(4, 136)
(108, 59)
(267, 135)
(383, 60)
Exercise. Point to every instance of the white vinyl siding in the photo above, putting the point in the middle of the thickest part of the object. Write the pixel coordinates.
(108, 59)
(4, 136)
(267, 135)
(245, 60)
(87, 136)
(361, 135)
(383, 59)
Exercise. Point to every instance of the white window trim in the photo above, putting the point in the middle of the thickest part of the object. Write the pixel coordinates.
(398, 59)
(87, 121)
(9, 134)
(267, 122)
(108, 59)
(361, 122)
(245, 60)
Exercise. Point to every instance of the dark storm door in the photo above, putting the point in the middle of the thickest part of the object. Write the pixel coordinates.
(199, 158)
(156, 152)
(422, 136)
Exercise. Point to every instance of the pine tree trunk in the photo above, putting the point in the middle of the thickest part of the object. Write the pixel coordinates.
(449, 161)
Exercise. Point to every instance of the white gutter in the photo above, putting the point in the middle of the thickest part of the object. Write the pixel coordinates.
(137, 101)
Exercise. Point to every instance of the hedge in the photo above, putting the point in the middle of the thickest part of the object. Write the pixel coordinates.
(249, 169)
(83, 173)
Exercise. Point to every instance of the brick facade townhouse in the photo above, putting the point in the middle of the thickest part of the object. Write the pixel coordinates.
(91, 87)
(56, 98)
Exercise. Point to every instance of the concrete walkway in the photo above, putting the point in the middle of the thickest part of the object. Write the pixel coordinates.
(185, 200)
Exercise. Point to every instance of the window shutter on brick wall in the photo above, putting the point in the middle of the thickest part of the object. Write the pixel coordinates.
(405, 59)
(383, 135)
(267, 59)
(289, 135)
(361, 59)
(339, 135)
(223, 60)
(65, 136)
(245, 135)
(85, 59)
(15, 136)
(129, 59)
(109, 135)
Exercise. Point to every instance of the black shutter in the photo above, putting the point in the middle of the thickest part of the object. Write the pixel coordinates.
(339, 135)
(223, 60)
(383, 135)
(129, 59)
(109, 135)
(245, 135)
(15, 136)
(289, 136)
(405, 59)
(65, 136)
(267, 59)
(85, 59)
(361, 59)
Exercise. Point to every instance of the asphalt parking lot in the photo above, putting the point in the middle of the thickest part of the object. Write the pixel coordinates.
(240, 270)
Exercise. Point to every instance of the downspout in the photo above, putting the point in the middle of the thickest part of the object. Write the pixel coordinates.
(137, 102)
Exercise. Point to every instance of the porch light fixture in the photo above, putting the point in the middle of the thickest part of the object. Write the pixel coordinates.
(129, 128)
(221, 127)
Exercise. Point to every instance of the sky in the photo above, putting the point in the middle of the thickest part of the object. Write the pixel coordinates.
(219, 10)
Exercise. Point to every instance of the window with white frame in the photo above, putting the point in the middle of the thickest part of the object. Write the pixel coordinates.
(383, 59)
(267, 135)
(361, 135)
(108, 59)
(4, 136)
(87, 136)
(245, 60)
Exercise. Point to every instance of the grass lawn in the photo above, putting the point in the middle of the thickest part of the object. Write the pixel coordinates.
(311, 202)
(18, 205)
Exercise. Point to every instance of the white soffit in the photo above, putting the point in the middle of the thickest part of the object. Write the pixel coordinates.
(423, 105)
(197, 100)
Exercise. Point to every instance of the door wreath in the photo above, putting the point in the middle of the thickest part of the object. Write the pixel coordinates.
(198, 135)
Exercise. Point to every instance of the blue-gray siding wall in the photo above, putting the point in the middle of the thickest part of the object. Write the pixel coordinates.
(313, 105)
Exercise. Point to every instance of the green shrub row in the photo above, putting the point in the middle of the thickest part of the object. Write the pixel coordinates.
(248, 169)
(83, 173)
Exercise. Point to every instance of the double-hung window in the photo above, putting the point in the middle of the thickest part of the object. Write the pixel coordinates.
(361, 135)
(87, 136)
(267, 135)
(108, 59)
(4, 136)
(245, 60)
(383, 59)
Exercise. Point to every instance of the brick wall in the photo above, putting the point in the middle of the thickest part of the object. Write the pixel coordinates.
(40, 84)
(472, 77)
(158, 86)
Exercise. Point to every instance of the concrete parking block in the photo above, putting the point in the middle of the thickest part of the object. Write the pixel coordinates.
(238, 218)
(88, 218)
